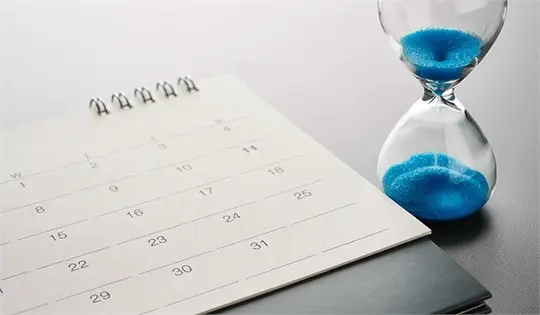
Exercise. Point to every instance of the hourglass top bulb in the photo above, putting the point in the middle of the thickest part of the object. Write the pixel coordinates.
(440, 54)
(442, 40)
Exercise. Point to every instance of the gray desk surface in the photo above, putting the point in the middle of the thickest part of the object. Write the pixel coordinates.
(324, 64)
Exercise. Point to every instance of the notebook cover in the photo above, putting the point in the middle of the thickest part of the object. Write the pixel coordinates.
(416, 278)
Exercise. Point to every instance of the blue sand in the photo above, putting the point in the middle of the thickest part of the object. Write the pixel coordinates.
(436, 187)
(440, 54)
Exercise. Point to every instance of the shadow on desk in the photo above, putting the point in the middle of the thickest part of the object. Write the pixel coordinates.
(461, 231)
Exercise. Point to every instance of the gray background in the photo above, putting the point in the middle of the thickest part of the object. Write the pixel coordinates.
(324, 64)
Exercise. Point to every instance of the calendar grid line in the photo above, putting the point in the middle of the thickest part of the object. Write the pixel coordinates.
(202, 293)
(107, 182)
(244, 143)
(138, 204)
(137, 146)
(178, 162)
(36, 202)
(228, 209)
(198, 186)
(267, 165)
(301, 186)
(154, 199)
(282, 266)
(204, 128)
(324, 213)
(248, 238)
(100, 286)
(30, 309)
(49, 230)
(175, 262)
(163, 197)
(15, 275)
(128, 207)
(130, 176)
(59, 167)
(41, 172)
(70, 258)
(355, 240)
(155, 232)
(99, 156)
(131, 206)
(148, 312)
(74, 192)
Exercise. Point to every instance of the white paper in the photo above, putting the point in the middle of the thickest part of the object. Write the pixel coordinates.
(181, 206)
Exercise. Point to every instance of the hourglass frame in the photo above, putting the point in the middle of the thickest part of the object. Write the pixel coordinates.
(437, 162)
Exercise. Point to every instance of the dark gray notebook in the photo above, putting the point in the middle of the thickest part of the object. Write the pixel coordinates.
(417, 278)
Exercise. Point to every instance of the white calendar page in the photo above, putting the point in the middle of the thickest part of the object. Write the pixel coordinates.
(181, 206)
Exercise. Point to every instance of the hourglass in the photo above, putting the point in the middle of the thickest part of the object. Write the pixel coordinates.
(437, 163)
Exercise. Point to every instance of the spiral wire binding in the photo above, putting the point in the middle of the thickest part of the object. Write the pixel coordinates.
(167, 88)
(100, 106)
(144, 95)
(122, 100)
(188, 83)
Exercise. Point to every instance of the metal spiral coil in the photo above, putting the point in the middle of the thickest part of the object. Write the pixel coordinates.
(100, 106)
(144, 96)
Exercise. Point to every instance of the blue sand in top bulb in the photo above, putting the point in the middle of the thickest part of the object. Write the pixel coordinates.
(436, 187)
(440, 54)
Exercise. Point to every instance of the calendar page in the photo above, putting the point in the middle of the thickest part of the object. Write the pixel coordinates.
(181, 204)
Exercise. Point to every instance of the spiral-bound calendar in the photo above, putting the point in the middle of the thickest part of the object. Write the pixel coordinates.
(180, 198)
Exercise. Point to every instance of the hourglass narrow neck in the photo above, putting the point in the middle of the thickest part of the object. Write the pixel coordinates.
(439, 87)
(447, 98)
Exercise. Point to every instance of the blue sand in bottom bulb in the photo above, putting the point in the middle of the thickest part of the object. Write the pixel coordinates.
(436, 187)
(440, 54)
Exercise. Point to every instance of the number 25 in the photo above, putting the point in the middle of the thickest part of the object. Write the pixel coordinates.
(302, 194)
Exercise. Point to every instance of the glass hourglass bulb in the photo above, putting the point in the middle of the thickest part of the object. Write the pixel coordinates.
(437, 163)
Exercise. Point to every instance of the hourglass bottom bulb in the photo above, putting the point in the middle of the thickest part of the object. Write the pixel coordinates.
(435, 186)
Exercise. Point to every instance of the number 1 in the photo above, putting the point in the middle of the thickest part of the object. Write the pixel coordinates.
(206, 192)
(250, 149)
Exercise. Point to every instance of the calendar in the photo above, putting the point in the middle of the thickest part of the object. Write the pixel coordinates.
(179, 199)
